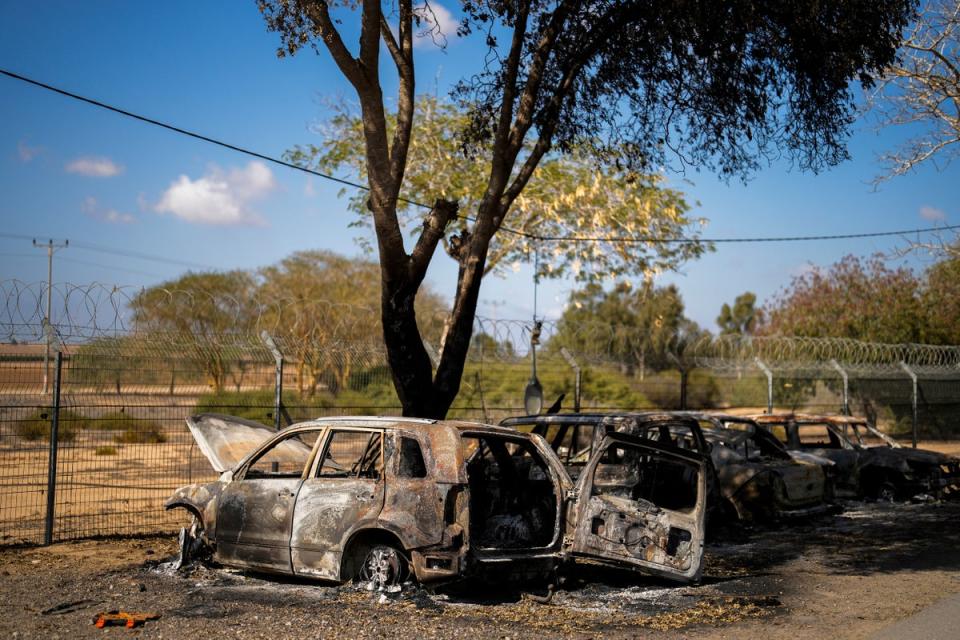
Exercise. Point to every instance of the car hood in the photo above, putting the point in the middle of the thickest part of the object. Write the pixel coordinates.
(226, 440)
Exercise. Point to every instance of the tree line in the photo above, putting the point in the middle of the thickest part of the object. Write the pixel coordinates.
(321, 302)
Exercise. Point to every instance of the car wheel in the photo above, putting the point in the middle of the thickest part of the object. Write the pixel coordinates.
(192, 545)
(886, 492)
(383, 567)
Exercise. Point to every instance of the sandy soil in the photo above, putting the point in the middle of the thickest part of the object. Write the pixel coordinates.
(845, 575)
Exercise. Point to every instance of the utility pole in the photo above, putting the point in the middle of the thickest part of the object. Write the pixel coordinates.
(52, 247)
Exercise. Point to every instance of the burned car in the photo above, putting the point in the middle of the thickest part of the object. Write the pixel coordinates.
(751, 474)
(380, 499)
(869, 463)
(758, 478)
(575, 437)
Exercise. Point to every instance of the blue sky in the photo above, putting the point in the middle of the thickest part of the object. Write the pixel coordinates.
(69, 170)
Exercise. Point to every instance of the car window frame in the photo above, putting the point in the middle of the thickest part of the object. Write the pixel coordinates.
(321, 453)
(241, 473)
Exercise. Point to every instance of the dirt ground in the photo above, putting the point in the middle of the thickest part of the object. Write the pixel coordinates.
(845, 575)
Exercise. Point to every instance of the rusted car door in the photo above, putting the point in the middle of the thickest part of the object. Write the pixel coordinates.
(642, 504)
(255, 509)
(343, 493)
(678, 431)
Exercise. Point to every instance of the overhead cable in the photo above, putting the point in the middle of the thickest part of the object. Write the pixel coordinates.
(647, 239)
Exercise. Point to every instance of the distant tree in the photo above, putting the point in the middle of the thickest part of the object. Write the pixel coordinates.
(921, 91)
(853, 298)
(201, 308)
(485, 345)
(721, 84)
(326, 304)
(567, 195)
(941, 300)
(209, 303)
(637, 327)
(742, 318)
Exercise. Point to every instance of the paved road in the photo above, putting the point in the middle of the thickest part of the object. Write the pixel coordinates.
(939, 621)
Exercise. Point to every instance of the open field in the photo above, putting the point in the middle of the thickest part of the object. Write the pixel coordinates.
(846, 576)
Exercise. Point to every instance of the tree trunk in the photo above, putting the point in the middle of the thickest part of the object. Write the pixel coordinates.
(423, 394)
(409, 363)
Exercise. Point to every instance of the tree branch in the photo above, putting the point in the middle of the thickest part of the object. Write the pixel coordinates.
(434, 226)
(370, 39)
(320, 15)
(402, 54)
(510, 77)
(528, 99)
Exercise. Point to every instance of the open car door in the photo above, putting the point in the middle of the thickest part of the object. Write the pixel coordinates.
(641, 504)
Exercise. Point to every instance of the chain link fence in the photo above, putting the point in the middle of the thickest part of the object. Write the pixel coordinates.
(92, 410)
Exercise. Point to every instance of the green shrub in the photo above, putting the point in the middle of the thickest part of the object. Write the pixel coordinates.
(141, 432)
(106, 450)
(37, 425)
(116, 421)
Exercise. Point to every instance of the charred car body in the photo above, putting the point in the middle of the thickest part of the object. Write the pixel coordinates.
(869, 463)
(380, 498)
(758, 477)
(751, 474)
(575, 437)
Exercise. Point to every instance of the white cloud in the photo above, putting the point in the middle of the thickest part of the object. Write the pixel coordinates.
(437, 26)
(92, 208)
(308, 189)
(802, 270)
(26, 152)
(95, 167)
(219, 198)
(932, 214)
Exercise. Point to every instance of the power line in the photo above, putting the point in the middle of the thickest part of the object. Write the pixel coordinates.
(86, 246)
(683, 240)
(111, 267)
(193, 134)
(140, 256)
(356, 185)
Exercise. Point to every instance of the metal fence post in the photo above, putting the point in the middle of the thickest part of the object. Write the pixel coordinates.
(913, 398)
(769, 374)
(54, 445)
(577, 377)
(683, 379)
(846, 386)
(278, 383)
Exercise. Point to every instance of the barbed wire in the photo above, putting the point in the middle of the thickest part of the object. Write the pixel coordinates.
(305, 329)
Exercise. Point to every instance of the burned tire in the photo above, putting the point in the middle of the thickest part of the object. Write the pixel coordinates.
(881, 489)
(193, 546)
(885, 492)
(382, 567)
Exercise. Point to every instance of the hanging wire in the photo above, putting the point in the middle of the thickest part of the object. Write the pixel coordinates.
(536, 278)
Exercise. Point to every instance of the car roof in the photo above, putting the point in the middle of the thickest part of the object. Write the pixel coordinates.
(581, 418)
(554, 418)
(718, 415)
(806, 418)
(400, 422)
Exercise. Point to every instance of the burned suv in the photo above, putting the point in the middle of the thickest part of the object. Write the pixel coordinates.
(379, 499)
(869, 463)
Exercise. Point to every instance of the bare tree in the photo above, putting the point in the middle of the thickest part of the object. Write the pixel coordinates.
(721, 84)
(922, 89)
